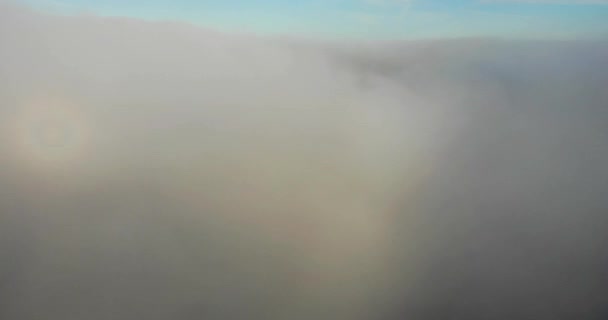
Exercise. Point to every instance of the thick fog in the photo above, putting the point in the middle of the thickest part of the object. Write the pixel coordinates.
(158, 170)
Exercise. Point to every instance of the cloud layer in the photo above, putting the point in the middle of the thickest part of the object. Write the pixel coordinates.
(161, 171)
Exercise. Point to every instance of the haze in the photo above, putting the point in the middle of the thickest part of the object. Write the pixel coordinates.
(160, 170)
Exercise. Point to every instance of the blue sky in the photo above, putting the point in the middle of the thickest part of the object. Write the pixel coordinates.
(368, 19)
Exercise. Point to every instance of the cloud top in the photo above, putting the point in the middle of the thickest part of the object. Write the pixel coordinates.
(157, 170)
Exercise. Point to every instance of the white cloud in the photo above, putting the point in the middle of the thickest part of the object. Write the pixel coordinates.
(154, 170)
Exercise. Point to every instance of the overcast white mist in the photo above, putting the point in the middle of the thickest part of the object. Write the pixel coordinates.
(157, 170)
